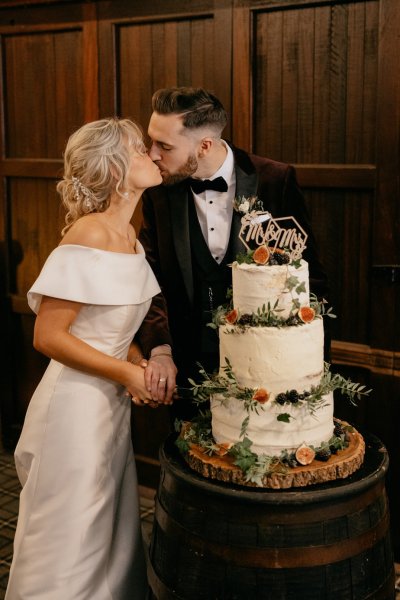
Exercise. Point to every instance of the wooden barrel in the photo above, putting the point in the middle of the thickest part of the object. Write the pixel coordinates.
(217, 541)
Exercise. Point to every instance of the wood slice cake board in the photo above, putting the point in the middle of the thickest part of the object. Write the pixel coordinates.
(339, 466)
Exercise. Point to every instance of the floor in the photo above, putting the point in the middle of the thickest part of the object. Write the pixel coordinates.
(9, 494)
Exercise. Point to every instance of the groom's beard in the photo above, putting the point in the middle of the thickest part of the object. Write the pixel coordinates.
(190, 167)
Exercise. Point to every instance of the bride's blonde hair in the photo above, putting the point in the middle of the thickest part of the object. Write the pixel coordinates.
(96, 163)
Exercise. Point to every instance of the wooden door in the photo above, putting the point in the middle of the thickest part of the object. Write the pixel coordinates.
(320, 85)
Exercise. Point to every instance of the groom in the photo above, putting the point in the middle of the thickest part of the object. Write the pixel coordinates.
(190, 232)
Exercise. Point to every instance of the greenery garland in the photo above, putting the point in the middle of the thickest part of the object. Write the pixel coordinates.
(254, 467)
(224, 385)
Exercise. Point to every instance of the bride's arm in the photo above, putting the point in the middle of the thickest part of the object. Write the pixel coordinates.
(52, 337)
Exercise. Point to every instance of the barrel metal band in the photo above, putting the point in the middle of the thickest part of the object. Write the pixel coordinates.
(325, 512)
(158, 587)
(277, 558)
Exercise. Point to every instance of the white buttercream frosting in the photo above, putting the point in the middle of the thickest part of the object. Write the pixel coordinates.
(268, 435)
(275, 358)
(278, 359)
(257, 285)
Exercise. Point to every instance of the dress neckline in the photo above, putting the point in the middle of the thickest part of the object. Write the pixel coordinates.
(138, 246)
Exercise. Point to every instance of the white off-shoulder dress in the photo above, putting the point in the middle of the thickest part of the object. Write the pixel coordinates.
(78, 534)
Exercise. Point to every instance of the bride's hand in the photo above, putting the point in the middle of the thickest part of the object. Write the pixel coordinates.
(136, 387)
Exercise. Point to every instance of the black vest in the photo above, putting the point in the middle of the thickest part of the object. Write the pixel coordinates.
(211, 282)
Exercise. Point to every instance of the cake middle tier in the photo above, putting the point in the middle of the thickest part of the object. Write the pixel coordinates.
(275, 358)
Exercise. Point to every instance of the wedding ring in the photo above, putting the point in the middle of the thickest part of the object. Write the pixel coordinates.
(162, 379)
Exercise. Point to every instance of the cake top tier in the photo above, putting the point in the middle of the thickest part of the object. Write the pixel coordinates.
(282, 288)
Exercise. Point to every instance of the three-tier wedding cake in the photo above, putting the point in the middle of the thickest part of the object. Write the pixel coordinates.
(271, 403)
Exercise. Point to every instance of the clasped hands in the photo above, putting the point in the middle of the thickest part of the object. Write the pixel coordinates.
(159, 380)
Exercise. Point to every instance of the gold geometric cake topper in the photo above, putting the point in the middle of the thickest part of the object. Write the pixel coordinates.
(282, 233)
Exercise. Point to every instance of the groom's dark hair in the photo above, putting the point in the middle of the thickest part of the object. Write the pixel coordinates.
(199, 107)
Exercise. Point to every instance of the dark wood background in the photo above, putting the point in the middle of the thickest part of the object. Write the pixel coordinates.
(312, 82)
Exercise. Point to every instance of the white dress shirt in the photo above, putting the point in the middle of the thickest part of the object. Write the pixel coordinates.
(215, 209)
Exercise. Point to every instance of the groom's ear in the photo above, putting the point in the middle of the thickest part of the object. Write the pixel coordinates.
(205, 146)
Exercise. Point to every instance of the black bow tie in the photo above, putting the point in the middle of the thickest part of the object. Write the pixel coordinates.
(199, 185)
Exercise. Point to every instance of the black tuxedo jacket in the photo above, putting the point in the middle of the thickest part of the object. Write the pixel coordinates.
(166, 239)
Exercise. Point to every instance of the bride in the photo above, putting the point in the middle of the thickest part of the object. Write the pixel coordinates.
(78, 533)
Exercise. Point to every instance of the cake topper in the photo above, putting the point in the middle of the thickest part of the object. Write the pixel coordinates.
(259, 228)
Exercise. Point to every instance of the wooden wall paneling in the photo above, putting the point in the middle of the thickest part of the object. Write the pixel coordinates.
(345, 256)
(107, 68)
(354, 92)
(356, 241)
(305, 86)
(43, 102)
(135, 69)
(47, 14)
(385, 293)
(36, 223)
(50, 88)
(337, 83)
(320, 130)
(242, 93)
(168, 75)
(164, 57)
(268, 118)
(220, 64)
(290, 86)
(385, 327)
(309, 110)
(371, 67)
(90, 63)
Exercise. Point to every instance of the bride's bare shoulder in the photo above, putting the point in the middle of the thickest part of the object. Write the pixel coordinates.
(88, 231)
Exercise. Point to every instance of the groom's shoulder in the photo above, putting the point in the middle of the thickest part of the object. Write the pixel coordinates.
(261, 164)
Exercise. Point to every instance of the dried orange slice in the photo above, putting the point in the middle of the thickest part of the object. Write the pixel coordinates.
(223, 449)
(232, 316)
(304, 454)
(261, 395)
(261, 255)
(306, 314)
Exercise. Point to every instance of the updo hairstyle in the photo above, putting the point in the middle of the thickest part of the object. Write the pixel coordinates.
(96, 163)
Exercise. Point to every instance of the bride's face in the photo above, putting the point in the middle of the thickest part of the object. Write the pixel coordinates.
(143, 172)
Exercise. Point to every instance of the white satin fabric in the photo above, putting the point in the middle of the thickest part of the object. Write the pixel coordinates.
(78, 534)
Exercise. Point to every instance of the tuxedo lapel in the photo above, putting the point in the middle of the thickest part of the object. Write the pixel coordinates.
(179, 198)
(246, 185)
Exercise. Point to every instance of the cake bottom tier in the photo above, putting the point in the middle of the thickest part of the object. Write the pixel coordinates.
(269, 435)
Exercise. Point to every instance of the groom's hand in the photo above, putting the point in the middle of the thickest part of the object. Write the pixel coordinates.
(160, 377)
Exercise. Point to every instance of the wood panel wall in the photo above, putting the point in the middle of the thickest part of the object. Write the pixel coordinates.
(310, 82)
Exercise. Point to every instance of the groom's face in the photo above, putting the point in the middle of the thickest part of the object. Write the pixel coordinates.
(173, 148)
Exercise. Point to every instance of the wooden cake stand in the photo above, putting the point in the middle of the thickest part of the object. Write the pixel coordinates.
(338, 466)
